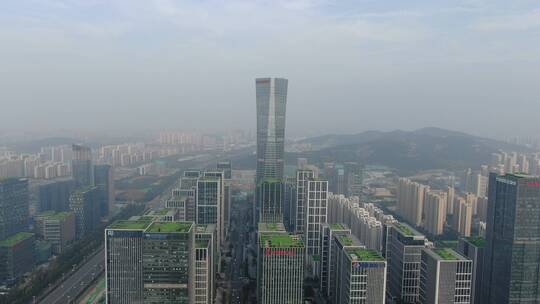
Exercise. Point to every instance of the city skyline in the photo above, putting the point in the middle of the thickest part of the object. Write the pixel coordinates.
(386, 65)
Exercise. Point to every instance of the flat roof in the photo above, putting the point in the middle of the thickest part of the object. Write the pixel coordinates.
(15, 239)
(337, 227)
(52, 215)
(272, 240)
(477, 241)
(202, 243)
(140, 224)
(169, 227)
(346, 240)
(406, 230)
(271, 227)
(360, 254)
(447, 254)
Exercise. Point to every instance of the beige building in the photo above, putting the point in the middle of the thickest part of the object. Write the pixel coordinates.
(435, 212)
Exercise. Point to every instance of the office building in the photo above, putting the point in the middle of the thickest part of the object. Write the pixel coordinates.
(340, 243)
(473, 249)
(302, 178)
(403, 253)
(209, 201)
(55, 195)
(57, 228)
(81, 166)
(315, 213)
(446, 277)
(14, 206)
(123, 261)
(166, 260)
(84, 203)
(289, 204)
(16, 256)
(104, 181)
(205, 259)
(328, 233)
(362, 276)
(280, 263)
(271, 96)
(271, 200)
(512, 253)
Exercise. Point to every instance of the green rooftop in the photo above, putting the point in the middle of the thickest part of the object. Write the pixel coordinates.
(446, 254)
(169, 227)
(345, 240)
(269, 240)
(15, 239)
(52, 215)
(405, 229)
(139, 224)
(365, 254)
(477, 241)
(337, 227)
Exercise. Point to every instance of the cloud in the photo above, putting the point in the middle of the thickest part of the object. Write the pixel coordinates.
(516, 22)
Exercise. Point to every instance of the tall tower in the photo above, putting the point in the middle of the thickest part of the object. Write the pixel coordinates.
(512, 254)
(271, 105)
(81, 166)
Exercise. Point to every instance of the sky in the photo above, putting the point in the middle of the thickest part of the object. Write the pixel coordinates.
(466, 65)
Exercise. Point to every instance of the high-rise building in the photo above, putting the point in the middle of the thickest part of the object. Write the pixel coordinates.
(362, 275)
(315, 214)
(57, 228)
(84, 203)
(462, 219)
(271, 200)
(81, 166)
(271, 106)
(104, 181)
(410, 200)
(206, 261)
(209, 202)
(280, 263)
(289, 203)
(225, 166)
(55, 195)
(302, 178)
(446, 277)
(16, 256)
(473, 249)
(512, 253)
(403, 252)
(335, 281)
(435, 212)
(166, 260)
(220, 223)
(328, 233)
(123, 261)
(450, 194)
(14, 206)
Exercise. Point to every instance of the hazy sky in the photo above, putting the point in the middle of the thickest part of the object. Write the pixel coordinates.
(469, 65)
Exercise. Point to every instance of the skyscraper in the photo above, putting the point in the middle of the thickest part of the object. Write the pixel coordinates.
(435, 212)
(280, 263)
(55, 195)
(446, 277)
(13, 206)
(328, 233)
(84, 203)
(512, 253)
(81, 166)
(473, 249)
(315, 213)
(271, 198)
(302, 178)
(403, 252)
(271, 105)
(104, 181)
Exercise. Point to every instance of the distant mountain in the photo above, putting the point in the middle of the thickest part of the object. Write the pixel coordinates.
(409, 151)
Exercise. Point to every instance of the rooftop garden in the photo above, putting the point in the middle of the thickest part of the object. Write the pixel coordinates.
(169, 227)
(405, 229)
(346, 240)
(15, 239)
(446, 254)
(337, 227)
(477, 241)
(365, 255)
(280, 241)
(139, 224)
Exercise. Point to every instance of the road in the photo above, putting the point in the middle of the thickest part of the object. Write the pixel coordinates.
(240, 239)
(78, 281)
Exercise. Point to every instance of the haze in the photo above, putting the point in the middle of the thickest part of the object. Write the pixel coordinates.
(471, 66)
